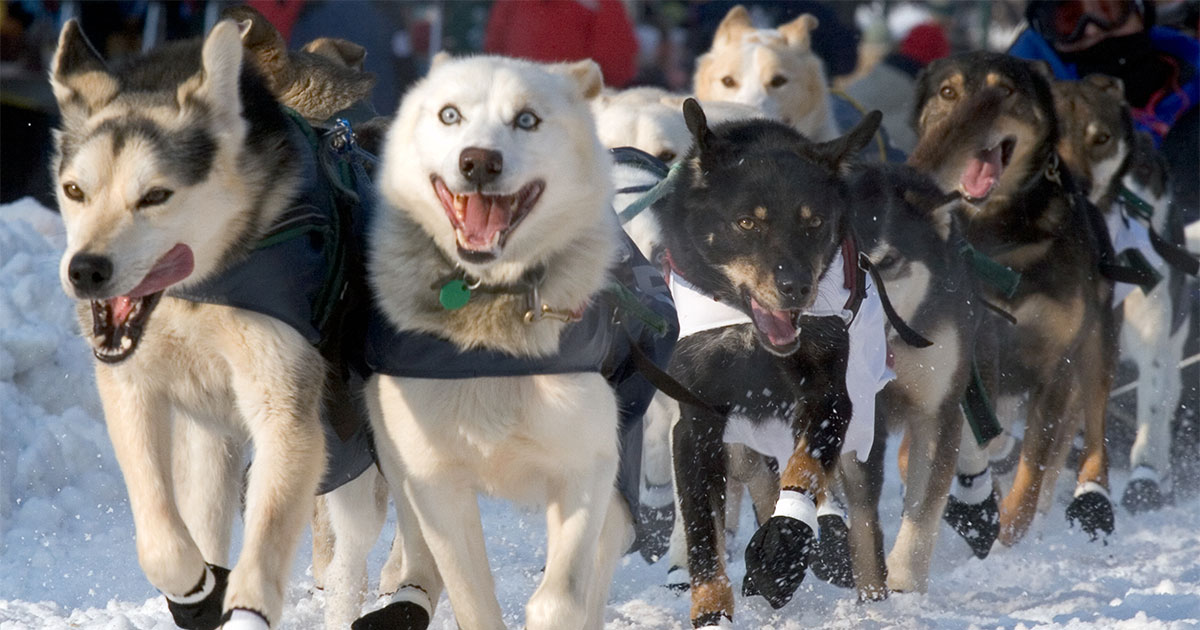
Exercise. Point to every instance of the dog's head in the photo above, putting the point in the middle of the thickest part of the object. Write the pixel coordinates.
(323, 78)
(498, 160)
(985, 123)
(759, 215)
(773, 70)
(1096, 131)
(153, 181)
(906, 226)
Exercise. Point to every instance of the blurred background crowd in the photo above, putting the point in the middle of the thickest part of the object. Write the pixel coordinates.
(871, 48)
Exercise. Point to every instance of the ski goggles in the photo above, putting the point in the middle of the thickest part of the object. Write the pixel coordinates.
(1064, 21)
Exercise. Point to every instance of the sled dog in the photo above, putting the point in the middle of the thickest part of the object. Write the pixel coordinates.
(774, 70)
(494, 230)
(759, 274)
(987, 127)
(170, 169)
(1116, 165)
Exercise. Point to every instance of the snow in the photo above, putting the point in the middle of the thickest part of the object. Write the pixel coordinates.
(67, 557)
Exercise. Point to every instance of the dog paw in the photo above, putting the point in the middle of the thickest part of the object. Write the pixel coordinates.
(712, 621)
(653, 531)
(830, 559)
(1143, 494)
(394, 616)
(201, 609)
(776, 559)
(1094, 512)
(977, 523)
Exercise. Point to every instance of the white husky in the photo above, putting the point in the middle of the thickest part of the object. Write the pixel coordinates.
(170, 168)
(493, 181)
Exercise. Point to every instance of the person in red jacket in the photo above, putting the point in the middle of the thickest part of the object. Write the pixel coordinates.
(565, 30)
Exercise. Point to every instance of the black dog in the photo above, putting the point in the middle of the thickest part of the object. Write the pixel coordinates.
(758, 221)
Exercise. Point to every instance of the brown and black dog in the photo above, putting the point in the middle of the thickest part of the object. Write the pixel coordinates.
(988, 128)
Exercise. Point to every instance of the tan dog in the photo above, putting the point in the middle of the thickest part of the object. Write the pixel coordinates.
(774, 70)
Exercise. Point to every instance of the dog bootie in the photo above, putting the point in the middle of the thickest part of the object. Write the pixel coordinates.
(653, 531)
(200, 609)
(1092, 509)
(777, 555)
(411, 609)
(830, 559)
(1143, 493)
(244, 619)
(973, 512)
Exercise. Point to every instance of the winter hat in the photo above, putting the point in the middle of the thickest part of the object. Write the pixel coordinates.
(925, 43)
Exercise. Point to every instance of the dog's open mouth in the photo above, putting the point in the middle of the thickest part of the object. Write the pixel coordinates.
(482, 222)
(779, 330)
(985, 168)
(118, 322)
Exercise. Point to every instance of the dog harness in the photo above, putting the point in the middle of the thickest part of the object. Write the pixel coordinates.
(845, 292)
(303, 272)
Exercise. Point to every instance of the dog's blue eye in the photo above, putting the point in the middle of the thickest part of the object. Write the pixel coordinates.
(155, 197)
(450, 115)
(527, 120)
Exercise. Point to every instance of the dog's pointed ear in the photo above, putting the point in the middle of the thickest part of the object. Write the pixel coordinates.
(440, 58)
(78, 74)
(798, 32)
(586, 74)
(264, 42)
(217, 85)
(940, 207)
(697, 124)
(840, 152)
(732, 26)
(1109, 85)
(340, 51)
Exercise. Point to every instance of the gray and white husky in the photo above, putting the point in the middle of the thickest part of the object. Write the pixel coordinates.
(493, 180)
(169, 168)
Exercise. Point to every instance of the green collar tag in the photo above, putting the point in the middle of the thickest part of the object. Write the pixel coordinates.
(454, 294)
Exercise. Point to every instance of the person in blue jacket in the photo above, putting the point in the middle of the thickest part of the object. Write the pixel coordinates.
(1158, 66)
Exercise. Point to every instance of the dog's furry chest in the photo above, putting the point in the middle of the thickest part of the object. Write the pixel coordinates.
(503, 433)
(192, 353)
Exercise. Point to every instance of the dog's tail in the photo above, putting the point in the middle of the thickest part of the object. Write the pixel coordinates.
(958, 136)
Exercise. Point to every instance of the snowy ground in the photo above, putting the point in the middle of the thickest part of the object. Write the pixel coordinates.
(67, 556)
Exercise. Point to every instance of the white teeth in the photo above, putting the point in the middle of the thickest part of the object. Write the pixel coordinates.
(126, 343)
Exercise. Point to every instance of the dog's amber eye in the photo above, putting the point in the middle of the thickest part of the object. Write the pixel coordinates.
(778, 80)
(1101, 138)
(526, 120)
(746, 223)
(728, 82)
(667, 155)
(154, 197)
(815, 222)
(73, 192)
(450, 115)
(887, 262)
(949, 93)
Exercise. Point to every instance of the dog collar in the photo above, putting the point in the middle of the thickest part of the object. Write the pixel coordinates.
(456, 290)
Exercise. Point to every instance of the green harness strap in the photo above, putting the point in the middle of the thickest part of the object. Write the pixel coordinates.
(1000, 277)
(624, 299)
(977, 407)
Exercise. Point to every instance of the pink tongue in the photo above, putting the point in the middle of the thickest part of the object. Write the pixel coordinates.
(483, 219)
(981, 173)
(121, 305)
(777, 325)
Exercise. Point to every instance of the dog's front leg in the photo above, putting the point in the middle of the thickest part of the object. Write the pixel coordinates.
(700, 478)
(208, 482)
(864, 485)
(578, 509)
(139, 426)
(281, 410)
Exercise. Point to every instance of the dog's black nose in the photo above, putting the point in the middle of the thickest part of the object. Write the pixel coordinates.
(89, 272)
(791, 287)
(480, 166)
